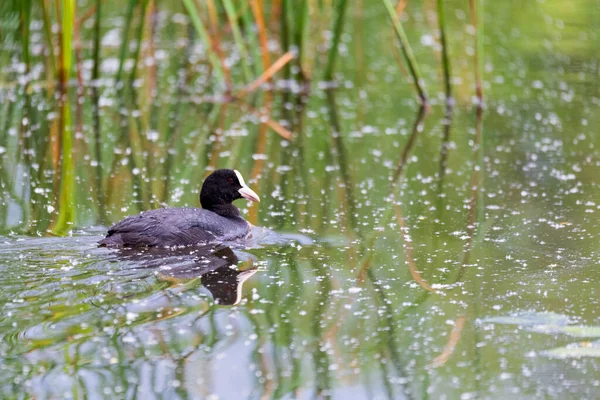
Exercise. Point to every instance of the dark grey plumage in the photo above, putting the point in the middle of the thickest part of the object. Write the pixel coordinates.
(175, 227)
(219, 221)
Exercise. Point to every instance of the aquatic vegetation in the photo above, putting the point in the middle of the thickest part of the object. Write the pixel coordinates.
(231, 72)
(427, 245)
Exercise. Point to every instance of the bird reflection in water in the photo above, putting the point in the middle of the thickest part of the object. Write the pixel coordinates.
(215, 265)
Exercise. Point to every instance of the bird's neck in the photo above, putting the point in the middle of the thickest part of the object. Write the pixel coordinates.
(225, 210)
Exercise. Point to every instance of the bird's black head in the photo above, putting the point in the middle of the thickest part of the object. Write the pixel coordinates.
(221, 188)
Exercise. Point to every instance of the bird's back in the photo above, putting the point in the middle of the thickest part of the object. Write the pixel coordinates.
(174, 227)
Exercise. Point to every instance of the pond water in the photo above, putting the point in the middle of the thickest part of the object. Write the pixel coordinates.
(475, 276)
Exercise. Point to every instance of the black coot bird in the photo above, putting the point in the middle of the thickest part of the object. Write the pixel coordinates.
(217, 221)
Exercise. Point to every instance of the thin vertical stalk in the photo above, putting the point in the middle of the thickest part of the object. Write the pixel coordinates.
(139, 40)
(144, 162)
(214, 42)
(476, 211)
(237, 37)
(444, 42)
(68, 23)
(275, 10)
(480, 161)
(51, 60)
(38, 220)
(125, 40)
(25, 146)
(261, 145)
(8, 114)
(80, 148)
(393, 209)
(66, 204)
(258, 166)
(253, 42)
(413, 66)
(285, 32)
(390, 323)
(359, 47)
(476, 7)
(213, 159)
(24, 132)
(55, 137)
(213, 18)
(321, 360)
(177, 109)
(445, 148)
(340, 12)
(262, 31)
(79, 75)
(201, 30)
(339, 153)
(416, 131)
(25, 23)
(136, 141)
(300, 32)
(151, 27)
(100, 198)
(48, 33)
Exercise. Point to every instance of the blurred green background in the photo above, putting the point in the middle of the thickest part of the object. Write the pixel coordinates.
(454, 246)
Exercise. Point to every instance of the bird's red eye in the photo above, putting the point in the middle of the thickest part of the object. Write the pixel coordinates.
(230, 180)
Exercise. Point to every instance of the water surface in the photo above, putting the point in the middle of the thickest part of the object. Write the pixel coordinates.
(474, 277)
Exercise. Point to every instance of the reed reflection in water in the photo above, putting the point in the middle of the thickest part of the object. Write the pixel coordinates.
(453, 244)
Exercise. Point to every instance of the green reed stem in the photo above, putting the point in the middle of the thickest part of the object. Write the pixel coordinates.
(203, 33)
(476, 7)
(139, 146)
(253, 42)
(66, 205)
(340, 12)
(139, 39)
(481, 164)
(413, 66)
(48, 33)
(301, 13)
(125, 39)
(96, 114)
(25, 23)
(444, 42)
(237, 37)
(284, 34)
(68, 21)
(24, 136)
(321, 360)
(342, 159)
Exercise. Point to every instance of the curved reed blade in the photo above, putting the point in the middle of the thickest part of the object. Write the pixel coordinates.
(340, 12)
(413, 66)
(194, 15)
(237, 37)
(450, 346)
